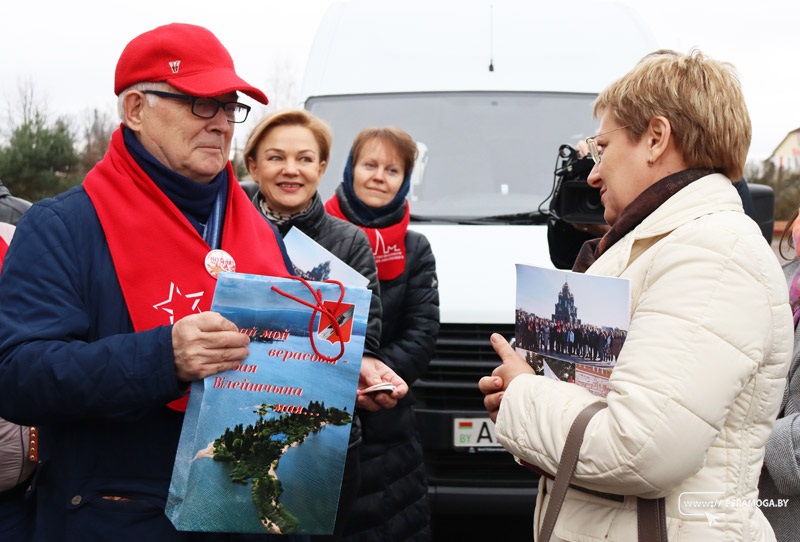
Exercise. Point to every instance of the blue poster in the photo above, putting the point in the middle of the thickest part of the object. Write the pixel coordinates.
(263, 446)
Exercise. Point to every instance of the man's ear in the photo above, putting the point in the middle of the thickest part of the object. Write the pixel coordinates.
(133, 109)
(659, 134)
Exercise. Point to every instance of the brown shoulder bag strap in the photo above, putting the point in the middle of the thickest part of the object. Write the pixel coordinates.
(651, 513)
(566, 468)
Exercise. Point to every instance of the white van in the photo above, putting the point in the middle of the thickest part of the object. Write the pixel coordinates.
(489, 89)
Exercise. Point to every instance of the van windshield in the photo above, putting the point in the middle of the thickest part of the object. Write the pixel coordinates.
(481, 154)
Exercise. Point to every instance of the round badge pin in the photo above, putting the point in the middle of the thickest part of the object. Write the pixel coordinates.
(218, 261)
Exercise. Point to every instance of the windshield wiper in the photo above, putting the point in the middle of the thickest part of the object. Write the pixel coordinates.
(445, 219)
(527, 217)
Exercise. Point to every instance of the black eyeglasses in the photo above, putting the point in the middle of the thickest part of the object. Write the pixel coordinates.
(206, 108)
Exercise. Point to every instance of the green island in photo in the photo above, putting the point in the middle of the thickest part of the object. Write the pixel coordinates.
(254, 452)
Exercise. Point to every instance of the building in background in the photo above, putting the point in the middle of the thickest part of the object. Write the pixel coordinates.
(787, 154)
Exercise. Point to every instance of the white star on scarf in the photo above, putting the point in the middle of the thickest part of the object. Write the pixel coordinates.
(177, 302)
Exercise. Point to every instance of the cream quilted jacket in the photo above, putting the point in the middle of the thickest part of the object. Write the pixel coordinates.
(696, 387)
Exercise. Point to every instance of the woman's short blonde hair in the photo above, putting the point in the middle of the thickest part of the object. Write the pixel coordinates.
(702, 99)
(290, 117)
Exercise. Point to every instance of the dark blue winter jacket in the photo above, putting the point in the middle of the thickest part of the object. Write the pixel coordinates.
(71, 365)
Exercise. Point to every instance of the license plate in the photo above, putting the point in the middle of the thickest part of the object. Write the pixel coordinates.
(474, 433)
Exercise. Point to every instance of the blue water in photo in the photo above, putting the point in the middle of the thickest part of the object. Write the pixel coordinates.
(311, 489)
(217, 504)
(314, 495)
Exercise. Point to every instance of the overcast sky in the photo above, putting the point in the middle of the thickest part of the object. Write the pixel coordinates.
(69, 49)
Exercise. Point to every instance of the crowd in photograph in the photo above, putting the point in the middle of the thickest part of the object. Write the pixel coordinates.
(554, 337)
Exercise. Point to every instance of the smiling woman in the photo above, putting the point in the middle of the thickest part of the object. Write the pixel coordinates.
(286, 154)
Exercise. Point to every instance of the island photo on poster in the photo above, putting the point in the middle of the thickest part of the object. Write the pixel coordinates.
(263, 446)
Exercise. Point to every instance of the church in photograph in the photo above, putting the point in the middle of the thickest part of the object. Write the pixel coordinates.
(566, 311)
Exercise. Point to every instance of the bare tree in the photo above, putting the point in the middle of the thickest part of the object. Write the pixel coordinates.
(283, 90)
(283, 87)
(97, 132)
(25, 107)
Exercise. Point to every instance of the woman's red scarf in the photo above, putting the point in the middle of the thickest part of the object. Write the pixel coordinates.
(158, 255)
(388, 244)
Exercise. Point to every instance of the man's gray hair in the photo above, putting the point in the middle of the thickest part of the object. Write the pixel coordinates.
(138, 86)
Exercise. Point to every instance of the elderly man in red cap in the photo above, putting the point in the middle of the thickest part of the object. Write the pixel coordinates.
(106, 289)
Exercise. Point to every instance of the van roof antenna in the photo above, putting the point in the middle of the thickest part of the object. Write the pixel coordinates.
(491, 37)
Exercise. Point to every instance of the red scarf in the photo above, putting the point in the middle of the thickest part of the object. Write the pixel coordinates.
(158, 255)
(3, 250)
(388, 244)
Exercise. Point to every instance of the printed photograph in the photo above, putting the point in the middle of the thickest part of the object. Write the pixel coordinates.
(571, 326)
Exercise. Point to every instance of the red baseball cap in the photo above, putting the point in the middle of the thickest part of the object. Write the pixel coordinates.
(188, 57)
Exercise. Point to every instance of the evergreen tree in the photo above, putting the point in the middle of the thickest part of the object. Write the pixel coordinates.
(40, 159)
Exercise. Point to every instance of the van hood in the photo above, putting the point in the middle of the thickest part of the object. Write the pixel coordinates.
(476, 269)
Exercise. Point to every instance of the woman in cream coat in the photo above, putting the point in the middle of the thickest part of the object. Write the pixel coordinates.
(698, 382)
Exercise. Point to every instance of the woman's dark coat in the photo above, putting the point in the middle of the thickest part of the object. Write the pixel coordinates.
(392, 504)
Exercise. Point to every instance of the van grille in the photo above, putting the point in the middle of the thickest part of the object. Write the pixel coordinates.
(486, 470)
(463, 355)
(448, 390)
